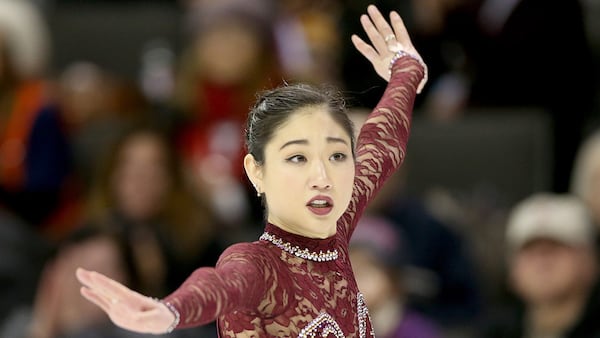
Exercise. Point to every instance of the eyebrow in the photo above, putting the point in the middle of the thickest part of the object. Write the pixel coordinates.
(304, 141)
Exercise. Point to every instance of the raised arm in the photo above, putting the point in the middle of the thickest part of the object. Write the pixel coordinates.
(381, 144)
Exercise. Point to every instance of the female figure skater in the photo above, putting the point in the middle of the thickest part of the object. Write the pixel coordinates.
(296, 280)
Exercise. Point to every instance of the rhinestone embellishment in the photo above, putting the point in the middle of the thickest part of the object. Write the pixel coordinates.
(363, 314)
(302, 253)
(323, 323)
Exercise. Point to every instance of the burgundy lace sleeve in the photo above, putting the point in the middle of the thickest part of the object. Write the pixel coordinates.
(381, 143)
(237, 282)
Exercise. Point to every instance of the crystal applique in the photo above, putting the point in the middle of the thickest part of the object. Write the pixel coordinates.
(297, 251)
(322, 326)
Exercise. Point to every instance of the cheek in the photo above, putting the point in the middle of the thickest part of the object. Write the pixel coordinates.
(278, 184)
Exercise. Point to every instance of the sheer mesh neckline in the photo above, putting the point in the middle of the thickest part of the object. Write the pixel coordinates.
(315, 249)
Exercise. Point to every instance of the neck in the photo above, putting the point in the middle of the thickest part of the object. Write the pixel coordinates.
(556, 316)
(323, 232)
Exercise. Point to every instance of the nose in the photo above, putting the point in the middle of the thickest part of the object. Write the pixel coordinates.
(319, 179)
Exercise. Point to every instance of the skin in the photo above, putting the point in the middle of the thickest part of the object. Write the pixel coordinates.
(554, 280)
(312, 156)
(592, 197)
(372, 278)
(141, 178)
(546, 271)
(58, 308)
(319, 175)
(229, 52)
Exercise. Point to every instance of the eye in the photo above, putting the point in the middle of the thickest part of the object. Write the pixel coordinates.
(296, 159)
(338, 157)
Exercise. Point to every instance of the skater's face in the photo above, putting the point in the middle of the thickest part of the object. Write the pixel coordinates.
(308, 172)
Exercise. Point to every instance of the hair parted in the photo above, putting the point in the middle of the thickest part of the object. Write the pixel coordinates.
(275, 106)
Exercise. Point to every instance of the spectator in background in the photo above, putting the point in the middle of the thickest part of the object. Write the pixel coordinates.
(378, 256)
(529, 27)
(585, 181)
(478, 48)
(229, 57)
(97, 106)
(58, 310)
(309, 40)
(34, 153)
(140, 194)
(24, 253)
(553, 270)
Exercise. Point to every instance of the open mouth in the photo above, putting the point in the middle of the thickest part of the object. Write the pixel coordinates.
(320, 205)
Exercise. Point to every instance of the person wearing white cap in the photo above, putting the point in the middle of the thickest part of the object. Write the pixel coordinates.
(553, 269)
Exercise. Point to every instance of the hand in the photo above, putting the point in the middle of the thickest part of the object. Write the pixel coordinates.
(126, 308)
(386, 41)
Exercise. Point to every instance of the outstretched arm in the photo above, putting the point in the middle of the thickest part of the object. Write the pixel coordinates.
(126, 308)
(206, 294)
(381, 144)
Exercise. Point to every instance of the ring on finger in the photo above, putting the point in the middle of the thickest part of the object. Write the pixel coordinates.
(389, 37)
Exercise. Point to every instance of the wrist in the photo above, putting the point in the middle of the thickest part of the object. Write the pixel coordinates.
(174, 312)
(401, 54)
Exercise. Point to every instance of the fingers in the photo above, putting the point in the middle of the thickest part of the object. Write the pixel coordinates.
(83, 276)
(95, 298)
(374, 36)
(365, 49)
(399, 29)
(383, 28)
(103, 286)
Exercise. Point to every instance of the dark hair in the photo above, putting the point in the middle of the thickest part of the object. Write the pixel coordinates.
(274, 107)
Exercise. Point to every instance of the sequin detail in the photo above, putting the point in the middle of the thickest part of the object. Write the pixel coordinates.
(363, 314)
(322, 326)
(302, 253)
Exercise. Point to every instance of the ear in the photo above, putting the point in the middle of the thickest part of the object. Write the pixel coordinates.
(253, 170)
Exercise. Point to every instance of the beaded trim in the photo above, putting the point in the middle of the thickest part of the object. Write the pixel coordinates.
(302, 253)
(173, 311)
(399, 54)
(323, 323)
(363, 314)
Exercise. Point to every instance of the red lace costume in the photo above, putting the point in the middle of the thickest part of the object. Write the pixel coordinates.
(287, 285)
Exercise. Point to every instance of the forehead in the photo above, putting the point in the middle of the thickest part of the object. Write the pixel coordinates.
(310, 122)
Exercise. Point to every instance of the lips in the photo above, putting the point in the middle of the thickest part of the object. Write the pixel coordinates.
(320, 205)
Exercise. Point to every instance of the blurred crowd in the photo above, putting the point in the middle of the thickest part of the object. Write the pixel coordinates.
(141, 177)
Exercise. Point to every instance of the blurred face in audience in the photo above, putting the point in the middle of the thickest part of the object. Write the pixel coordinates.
(372, 277)
(141, 180)
(593, 197)
(2, 58)
(545, 270)
(84, 94)
(229, 51)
